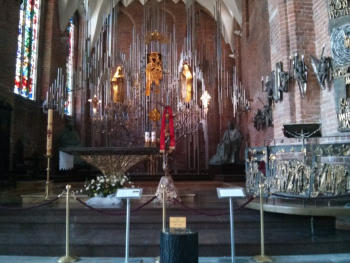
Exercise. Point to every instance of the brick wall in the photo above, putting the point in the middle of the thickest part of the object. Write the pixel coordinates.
(328, 108)
(8, 46)
(28, 123)
(255, 62)
(293, 26)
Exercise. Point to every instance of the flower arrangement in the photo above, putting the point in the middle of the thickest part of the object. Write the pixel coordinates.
(105, 185)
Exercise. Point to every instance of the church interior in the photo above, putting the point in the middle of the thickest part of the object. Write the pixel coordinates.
(175, 131)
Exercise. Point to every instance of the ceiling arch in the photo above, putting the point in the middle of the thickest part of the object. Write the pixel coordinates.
(231, 11)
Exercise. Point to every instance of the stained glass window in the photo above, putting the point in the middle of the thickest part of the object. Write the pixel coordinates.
(27, 50)
(70, 69)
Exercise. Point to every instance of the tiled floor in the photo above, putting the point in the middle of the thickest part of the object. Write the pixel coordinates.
(334, 258)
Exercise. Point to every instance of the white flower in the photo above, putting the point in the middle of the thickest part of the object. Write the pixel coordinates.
(113, 184)
(87, 188)
(92, 181)
(95, 194)
(81, 190)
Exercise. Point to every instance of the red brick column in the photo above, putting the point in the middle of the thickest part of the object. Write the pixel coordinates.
(327, 101)
(292, 31)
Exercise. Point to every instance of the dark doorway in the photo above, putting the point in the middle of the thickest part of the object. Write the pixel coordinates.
(5, 127)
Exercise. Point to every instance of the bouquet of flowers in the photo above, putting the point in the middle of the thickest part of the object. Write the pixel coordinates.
(106, 185)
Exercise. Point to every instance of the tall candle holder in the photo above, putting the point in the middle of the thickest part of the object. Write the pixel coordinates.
(56, 97)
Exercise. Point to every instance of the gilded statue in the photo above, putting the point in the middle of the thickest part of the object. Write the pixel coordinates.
(154, 71)
(186, 83)
(117, 82)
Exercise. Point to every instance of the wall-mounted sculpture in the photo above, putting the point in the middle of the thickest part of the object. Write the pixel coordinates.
(323, 69)
(154, 71)
(300, 72)
(283, 78)
(276, 84)
(117, 87)
(263, 118)
(268, 85)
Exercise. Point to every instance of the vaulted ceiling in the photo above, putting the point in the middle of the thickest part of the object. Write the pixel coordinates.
(231, 11)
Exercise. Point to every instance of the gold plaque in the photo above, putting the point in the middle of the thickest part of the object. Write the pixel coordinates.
(177, 222)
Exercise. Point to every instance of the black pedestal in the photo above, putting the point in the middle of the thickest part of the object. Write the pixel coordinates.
(179, 247)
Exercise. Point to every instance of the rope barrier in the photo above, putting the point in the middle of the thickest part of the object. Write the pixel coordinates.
(115, 213)
(31, 207)
(311, 198)
(201, 212)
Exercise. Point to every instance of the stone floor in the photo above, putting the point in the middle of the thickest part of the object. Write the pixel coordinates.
(327, 258)
(40, 232)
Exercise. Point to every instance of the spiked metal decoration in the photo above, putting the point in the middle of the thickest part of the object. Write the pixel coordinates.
(323, 69)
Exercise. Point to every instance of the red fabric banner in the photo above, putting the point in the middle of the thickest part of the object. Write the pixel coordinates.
(167, 129)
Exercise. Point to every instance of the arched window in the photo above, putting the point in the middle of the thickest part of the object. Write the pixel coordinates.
(68, 109)
(27, 49)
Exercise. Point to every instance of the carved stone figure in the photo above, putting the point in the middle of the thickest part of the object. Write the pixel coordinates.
(154, 71)
(323, 69)
(228, 146)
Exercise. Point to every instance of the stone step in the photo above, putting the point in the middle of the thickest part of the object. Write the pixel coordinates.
(42, 232)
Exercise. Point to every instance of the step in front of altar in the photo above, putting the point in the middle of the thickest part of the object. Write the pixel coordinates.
(41, 232)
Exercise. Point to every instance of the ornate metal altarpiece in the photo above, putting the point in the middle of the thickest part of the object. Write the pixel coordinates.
(339, 28)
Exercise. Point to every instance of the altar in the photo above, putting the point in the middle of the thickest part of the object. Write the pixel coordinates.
(109, 160)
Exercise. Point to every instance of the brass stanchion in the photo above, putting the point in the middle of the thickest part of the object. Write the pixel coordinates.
(47, 184)
(67, 258)
(262, 257)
